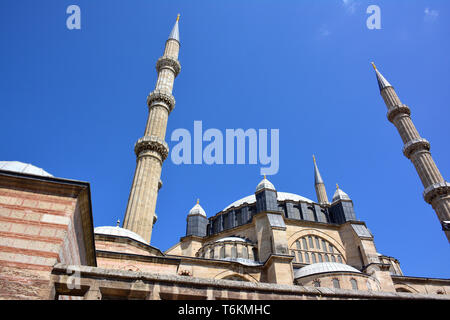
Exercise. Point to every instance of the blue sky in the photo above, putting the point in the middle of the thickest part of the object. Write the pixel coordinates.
(74, 103)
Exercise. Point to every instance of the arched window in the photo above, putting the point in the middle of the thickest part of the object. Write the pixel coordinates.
(211, 253)
(369, 287)
(354, 284)
(233, 252)
(313, 249)
(245, 253)
(336, 283)
(222, 252)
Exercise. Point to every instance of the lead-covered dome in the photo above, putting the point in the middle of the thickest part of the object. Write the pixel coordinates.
(118, 231)
(17, 166)
(323, 267)
(197, 210)
(281, 196)
(340, 195)
(265, 184)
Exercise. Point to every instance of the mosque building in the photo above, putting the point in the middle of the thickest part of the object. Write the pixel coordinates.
(269, 244)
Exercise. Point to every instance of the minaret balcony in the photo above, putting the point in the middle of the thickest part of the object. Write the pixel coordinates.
(396, 110)
(169, 63)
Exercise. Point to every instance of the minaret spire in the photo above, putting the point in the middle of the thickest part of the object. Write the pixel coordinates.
(321, 192)
(417, 149)
(151, 150)
(175, 33)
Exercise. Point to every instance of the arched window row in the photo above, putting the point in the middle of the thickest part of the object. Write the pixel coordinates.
(312, 249)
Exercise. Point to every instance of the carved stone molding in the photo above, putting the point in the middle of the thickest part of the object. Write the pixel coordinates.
(437, 189)
(160, 97)
(152, 143)
(396, 110)
(160, 184)
(168, 62)
(414, 145)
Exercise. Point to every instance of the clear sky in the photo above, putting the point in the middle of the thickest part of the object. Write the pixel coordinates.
(73, 102)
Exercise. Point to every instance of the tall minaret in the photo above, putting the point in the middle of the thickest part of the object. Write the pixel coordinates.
(319, 185)
(151, 150)
(417, 149)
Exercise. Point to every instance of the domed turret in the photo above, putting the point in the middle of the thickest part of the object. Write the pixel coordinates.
(197, 210)
(265, 184)
(340, 195)
(196, 221)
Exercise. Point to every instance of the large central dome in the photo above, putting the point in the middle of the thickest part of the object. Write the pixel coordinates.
(281, 196)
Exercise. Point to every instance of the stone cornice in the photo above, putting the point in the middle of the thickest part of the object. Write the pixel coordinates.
(60, 275)
(169, 63)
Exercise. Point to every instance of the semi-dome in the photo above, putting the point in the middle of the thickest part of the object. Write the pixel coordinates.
(17, 166)
(340, 195)
(323, 267)
(197, 210)
(118, 231)
(265, 184)
(281, 196)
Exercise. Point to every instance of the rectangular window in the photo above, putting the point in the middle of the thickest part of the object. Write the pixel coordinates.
(311, 244)
(313, 256)
(333, 258)
(298, 244)
(320, 257)
(326, 258)
(305, 246)
(306, 257)
(317, 243)
(300, 257)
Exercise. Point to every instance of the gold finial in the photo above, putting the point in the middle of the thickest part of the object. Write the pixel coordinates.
(198, 201)
(118, 222)
(264, 176)
(373, 65)
(314, 159)
(178, 17)
(337, 186)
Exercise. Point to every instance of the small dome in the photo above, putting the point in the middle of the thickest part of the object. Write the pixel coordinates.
(340, 195)
(197, 209)
(236, 239)
(118, 231)
(17, 166)
(265, 184)
(323, 267)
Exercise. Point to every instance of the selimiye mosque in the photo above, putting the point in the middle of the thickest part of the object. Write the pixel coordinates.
(269, 244)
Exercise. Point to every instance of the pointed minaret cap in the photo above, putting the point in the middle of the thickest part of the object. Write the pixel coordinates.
(382, 82)
(265, 184)
(317, 176)
(197, 210)
(175, 34)
(340, 195)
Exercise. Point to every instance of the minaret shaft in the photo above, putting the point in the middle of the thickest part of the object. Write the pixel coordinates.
(151, 150)
(321, 193)
(417, 149)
